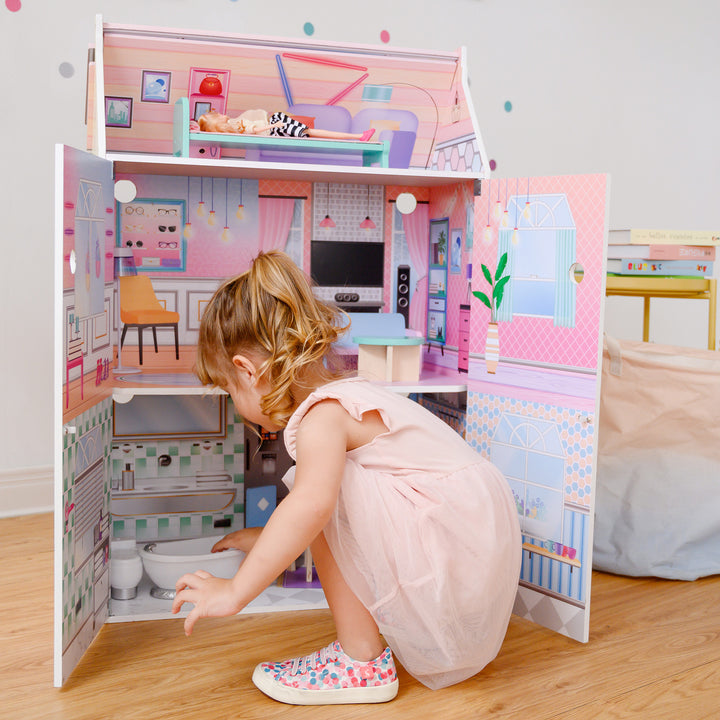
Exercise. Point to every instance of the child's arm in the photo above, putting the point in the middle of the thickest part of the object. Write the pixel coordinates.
(322, 440)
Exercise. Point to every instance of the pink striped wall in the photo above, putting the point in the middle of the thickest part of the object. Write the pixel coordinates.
(426, 87)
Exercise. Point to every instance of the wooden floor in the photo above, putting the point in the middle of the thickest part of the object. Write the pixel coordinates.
(654, 653)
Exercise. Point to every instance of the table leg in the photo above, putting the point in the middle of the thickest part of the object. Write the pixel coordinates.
(712, 314)
(646, 319)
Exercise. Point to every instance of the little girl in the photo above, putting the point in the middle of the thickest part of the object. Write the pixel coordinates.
(415, 536)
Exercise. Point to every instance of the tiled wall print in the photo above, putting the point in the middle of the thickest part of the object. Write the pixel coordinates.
(85, 537)
(545, 452)
(187, 457)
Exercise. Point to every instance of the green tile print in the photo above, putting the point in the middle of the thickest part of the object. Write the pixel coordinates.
(195, 450)
(184, 463)
(151, 451)
(173, 451)
(207, 521)
(164, 523)
(185, 522)
(141, 524)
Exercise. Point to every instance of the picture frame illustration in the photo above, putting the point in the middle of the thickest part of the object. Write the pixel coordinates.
(456, 241)
(200, 109)
(118, 111)
(155, 86)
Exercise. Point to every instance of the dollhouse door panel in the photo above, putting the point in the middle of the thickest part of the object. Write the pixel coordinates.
(85, 211)
(545, 451)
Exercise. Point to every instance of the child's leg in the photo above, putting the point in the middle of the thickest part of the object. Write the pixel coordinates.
(357, 631)
(333, 135)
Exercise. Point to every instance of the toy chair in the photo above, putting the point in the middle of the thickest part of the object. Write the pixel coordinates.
(140, 308)
(399, 127)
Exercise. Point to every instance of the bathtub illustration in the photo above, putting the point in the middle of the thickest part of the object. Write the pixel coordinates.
(163, 496)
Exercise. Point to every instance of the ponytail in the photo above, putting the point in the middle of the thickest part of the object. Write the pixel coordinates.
(271, 311)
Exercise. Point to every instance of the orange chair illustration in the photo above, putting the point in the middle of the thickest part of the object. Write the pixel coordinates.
(140, 308)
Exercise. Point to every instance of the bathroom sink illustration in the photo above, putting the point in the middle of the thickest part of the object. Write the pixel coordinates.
(161, 496)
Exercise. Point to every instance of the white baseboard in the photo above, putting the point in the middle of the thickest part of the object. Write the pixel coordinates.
(26, 491)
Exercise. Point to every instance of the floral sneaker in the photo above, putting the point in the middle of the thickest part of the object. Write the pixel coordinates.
(328, 677)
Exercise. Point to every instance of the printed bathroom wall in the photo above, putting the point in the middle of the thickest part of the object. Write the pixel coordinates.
(83, 521)
(184, 458)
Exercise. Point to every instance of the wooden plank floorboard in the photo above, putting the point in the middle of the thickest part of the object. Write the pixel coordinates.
(654, 652)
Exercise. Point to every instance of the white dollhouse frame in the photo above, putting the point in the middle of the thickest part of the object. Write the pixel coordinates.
(87, 417)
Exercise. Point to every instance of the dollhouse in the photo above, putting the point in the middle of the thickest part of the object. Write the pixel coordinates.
(408, 224)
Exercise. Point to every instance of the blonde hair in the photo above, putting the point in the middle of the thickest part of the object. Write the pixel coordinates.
(270, 311)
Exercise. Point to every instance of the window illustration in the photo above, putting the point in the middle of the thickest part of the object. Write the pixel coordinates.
(529, 453)
(541, 253)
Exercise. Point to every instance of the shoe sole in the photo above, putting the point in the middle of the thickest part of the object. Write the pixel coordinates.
(346, 696)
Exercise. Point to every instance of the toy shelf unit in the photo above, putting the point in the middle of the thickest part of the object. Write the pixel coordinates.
(307, 149)
(208, 90)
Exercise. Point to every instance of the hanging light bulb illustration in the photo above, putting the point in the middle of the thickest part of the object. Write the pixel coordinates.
(505, 218)
(225, 236)
(240, 213)
(526, 211)
(211, 215)
(498, 205)
(367, 223)
(327, 221)
(487, 235)
(515, 237)
(187, 230)
(201, 205)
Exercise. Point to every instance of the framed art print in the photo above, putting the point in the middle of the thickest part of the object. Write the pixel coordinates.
(118, 112)
(155, 86)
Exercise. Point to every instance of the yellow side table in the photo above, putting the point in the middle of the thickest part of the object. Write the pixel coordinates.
(668, 287)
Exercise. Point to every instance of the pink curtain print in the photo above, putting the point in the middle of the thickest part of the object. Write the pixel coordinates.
(416, 230)
(274, 222)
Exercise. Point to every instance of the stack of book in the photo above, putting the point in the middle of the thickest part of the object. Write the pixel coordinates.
(662, 253)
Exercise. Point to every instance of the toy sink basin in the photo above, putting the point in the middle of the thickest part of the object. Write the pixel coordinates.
(166, 562)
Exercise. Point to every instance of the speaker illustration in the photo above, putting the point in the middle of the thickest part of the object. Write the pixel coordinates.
(402, 302)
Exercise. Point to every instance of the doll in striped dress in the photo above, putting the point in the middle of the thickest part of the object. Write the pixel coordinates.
(279, 124)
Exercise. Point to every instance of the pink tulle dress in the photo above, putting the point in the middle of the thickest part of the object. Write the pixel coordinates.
(425, 533)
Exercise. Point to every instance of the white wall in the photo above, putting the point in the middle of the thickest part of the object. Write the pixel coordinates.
(628, 88)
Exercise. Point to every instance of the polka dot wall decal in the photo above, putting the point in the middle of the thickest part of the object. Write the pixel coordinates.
(508, 106)
(66, 69)
(308, 28)
(385, 36)
(13, 5)
(493, 164)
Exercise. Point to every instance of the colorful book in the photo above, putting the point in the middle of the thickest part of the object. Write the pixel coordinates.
(662, 252)
(681, 252)
(668, 268)
(674, 237)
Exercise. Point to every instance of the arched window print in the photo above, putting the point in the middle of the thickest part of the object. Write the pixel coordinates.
(540, 257)
(529, 453)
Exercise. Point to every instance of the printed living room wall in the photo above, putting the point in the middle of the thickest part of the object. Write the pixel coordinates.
(553, 230)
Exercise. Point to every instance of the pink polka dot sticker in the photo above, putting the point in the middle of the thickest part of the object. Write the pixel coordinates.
(385, 36)
(13, 5)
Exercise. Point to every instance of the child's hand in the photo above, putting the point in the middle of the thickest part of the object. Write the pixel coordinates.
(211, 596)
(240, 540)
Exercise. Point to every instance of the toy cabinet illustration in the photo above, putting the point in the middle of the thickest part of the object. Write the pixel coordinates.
(534, 417)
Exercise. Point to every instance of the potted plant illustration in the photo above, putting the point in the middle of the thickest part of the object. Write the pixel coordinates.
(492, 301)
(441, 243)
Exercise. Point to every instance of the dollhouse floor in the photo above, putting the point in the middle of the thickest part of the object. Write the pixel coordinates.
(275, 599)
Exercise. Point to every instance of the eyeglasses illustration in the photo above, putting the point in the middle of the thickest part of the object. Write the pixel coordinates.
(170, 211)
(137, 243)
(129, 209)
(171, 245)
(163, 228)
